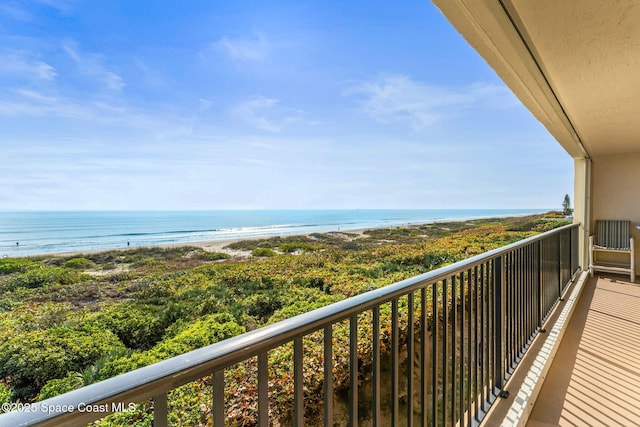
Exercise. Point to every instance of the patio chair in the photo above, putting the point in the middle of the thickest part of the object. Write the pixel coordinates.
(612, 236)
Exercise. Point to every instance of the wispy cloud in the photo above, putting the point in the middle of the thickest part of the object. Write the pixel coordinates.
(266, 114)
(397, 98)
(27, 102)
(23, 103)
(25, 65)
(253, 49)
(91, 65)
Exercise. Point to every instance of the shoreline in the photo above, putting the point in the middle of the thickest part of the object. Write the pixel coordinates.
(219, 245)
(213, 245)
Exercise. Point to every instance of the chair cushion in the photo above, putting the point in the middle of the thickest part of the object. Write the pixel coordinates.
(613, 234)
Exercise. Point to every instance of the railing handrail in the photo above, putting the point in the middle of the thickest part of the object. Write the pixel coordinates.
(149, 381)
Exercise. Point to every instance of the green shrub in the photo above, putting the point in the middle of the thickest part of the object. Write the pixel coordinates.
(543, 225)
(147, 262)
(137, 327)
(44, 276)
(207, 330)
(262, 305)
(263, 252)
(33, 358)
(16, 265)
(91, 374)
(57, 386)
(79, 263)
(295, 246)
(213, 256)
(554, 214)
(351, 246)
(202, 332)
(152, 287)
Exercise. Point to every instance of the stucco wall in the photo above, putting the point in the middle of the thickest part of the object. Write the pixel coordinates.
(616, 191)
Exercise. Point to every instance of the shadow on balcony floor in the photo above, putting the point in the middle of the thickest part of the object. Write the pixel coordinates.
(595, 377)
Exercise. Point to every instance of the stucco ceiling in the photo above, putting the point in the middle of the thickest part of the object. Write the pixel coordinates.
(586, 53)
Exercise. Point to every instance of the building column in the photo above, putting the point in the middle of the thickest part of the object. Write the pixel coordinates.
(582, 205)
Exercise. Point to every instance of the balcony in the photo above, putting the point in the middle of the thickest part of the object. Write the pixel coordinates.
(443, 348)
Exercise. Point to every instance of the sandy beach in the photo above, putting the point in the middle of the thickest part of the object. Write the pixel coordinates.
(221, 245)
(346, 235)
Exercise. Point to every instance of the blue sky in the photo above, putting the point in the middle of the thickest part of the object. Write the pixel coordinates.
(120, 104)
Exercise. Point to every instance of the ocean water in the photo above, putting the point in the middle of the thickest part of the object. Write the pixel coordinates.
(32, 233)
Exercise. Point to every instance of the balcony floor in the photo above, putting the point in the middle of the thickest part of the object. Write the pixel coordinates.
(595, 376)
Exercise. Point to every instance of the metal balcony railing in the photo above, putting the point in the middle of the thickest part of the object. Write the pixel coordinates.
(455, 336)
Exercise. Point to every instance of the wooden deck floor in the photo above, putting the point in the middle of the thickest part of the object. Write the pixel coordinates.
(595, 376)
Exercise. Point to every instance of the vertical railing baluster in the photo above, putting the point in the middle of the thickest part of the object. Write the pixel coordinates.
(531, 294)
(520, 308)
(476, 343)
(410, 337)
(454, 343)
(395, 363)
(218, 399)
(445, 350)
(263, 390)
(523, 298)
(377, 421)
(461, 374)
(434, 354)
(559, 265)
(353, 370)
(516, 312)
(546, 279)
(298, 383)
(507, 295)
(160, 415)
(328, 376)
(499, 312)
(535, 253)
(528, 297)
(521, 305)
(512, 317)
(526, 301)
(424, 375)
(539, 288)
(484, 341)
(492, 335)
(472, 367)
